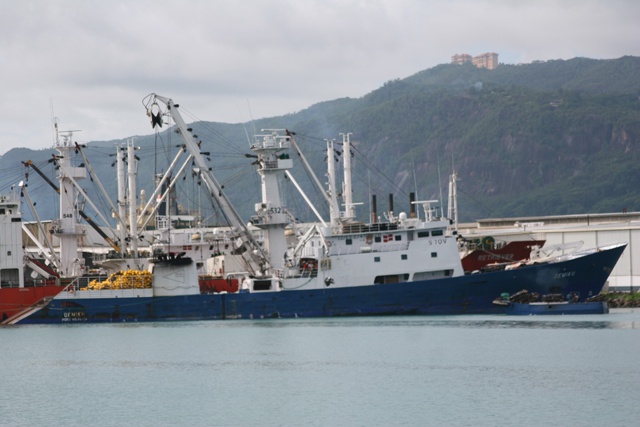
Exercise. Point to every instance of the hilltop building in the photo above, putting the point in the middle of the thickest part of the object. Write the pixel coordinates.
(461, 58)
(487, 60)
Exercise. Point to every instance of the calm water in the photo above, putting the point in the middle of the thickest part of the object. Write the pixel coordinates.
(392, 371)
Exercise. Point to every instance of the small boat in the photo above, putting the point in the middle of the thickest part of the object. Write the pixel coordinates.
(524, 303)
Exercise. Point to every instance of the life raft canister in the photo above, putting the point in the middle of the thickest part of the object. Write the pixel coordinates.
(488, 241)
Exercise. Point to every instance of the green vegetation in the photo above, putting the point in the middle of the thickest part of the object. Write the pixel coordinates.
(559, 137)
(621, 299)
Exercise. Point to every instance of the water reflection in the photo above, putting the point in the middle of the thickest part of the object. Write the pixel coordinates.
(620, 318)
(616, 319)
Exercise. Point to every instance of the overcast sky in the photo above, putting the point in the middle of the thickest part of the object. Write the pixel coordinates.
(233, 60)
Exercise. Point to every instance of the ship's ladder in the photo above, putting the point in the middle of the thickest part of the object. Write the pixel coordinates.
(27, 311)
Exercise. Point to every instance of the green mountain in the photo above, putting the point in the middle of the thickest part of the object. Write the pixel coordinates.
(556, 137)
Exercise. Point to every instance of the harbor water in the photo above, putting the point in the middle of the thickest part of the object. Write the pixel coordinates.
(383, 371)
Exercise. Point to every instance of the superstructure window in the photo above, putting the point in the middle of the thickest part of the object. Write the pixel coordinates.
(403, 256)
(261, 285)
(376, 259)
(348, 241)
(434, 254)
(397, 237)
(423, 234)
(429, 275)
(437, 233)
(393, 278)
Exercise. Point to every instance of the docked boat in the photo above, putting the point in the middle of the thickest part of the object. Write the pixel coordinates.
(485, 251)
(406, 266)
(18, 290)
(525, 303)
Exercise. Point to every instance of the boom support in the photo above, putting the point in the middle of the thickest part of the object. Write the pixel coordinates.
(250, 248)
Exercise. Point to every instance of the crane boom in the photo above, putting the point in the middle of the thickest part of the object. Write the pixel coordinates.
(247, 245)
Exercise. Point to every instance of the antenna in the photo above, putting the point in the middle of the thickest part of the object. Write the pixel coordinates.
(54, 120)
(439, 181)
(415, 181)
(253, 123)
(67, 134)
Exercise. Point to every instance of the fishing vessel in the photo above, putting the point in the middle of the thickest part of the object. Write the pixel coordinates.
(407, 265)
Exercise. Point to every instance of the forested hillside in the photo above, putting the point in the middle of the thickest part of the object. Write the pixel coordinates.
(559, 137)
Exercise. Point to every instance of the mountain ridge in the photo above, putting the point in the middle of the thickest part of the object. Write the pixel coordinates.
(548, 138)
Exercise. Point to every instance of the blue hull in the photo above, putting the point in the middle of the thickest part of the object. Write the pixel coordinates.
(472, 294)
(599, 307)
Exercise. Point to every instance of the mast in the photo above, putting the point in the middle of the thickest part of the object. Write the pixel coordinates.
(122, 192)
(452, 208)
(271, 213)
(66, 228)
(132, 166)
(334, 210)
(347, 192)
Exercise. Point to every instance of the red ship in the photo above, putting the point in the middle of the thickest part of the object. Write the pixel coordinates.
(16, 293)
(24, 279)
(490, 252)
